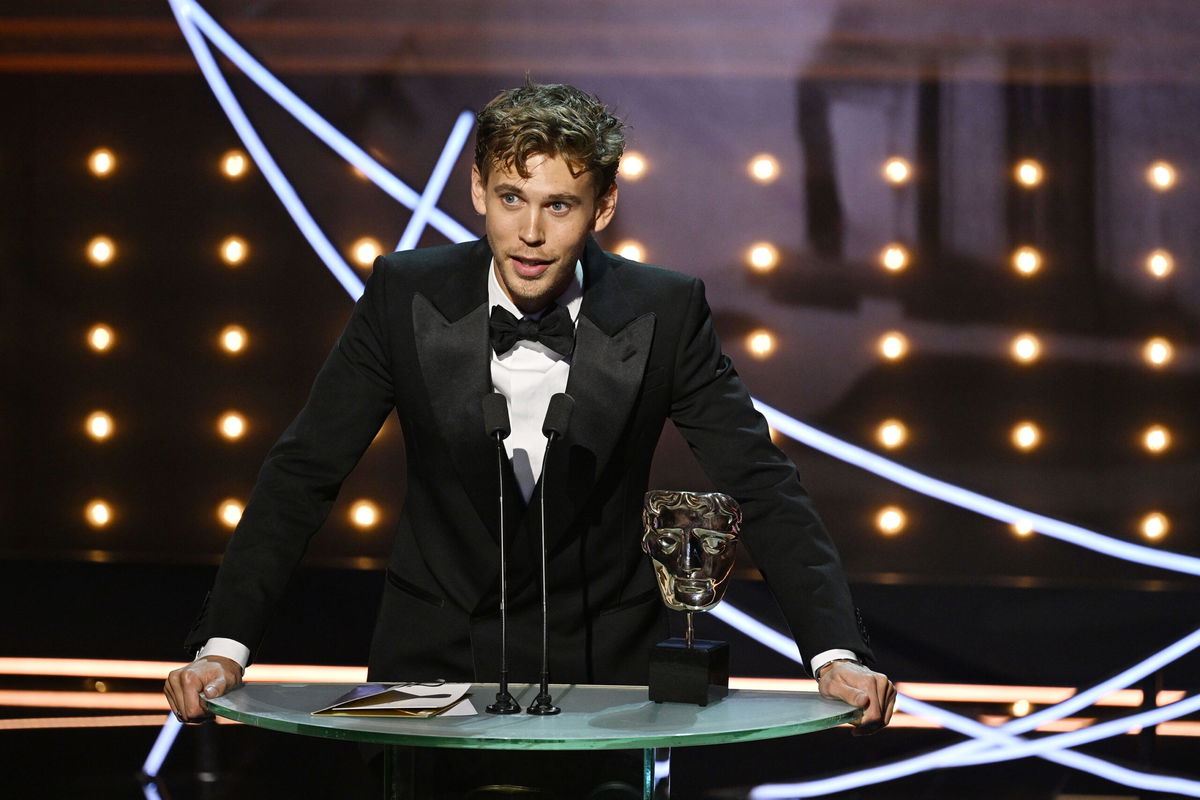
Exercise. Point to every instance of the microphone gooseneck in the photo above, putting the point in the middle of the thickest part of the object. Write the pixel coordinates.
(495, 422)
(558, 416)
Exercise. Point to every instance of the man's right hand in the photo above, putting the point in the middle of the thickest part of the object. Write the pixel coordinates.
(211, 676)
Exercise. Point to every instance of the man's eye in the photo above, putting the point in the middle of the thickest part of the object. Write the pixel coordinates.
(559, 207)
(509, 199)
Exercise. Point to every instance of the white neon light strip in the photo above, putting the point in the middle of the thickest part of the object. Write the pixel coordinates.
(437, 182)
(187, 11)
(162, 746)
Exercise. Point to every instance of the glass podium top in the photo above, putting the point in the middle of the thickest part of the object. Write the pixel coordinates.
(592, 718)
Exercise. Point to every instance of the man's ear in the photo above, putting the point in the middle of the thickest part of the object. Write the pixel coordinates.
(606, 206)
(478, 190)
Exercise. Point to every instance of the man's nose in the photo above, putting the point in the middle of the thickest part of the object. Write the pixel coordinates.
(531, 228)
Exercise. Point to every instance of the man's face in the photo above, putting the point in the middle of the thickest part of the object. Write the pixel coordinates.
(693, 554)
(537, 226)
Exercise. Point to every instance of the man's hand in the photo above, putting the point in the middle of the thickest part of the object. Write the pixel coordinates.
(860, 686)
(211, 676)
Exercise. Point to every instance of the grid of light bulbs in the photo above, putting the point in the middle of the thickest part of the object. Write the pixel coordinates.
(761, 257)
(232, 425)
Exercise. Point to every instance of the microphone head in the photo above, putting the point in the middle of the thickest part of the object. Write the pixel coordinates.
(558, 415)
(495, 415)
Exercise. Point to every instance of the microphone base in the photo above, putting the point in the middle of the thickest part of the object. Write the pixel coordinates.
(505, 704)
(543, 706)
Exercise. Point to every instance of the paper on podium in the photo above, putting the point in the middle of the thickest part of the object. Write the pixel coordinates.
(431, 699)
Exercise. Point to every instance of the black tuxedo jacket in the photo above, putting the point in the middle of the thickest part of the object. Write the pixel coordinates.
(417, 342)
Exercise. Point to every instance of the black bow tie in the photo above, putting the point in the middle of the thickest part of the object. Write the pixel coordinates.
(555, 329)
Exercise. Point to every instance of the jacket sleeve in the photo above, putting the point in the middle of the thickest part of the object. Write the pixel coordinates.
(790, 545)
(302, 474)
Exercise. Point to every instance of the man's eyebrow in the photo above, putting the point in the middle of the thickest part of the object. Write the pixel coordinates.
(506, 188)
(565, 197)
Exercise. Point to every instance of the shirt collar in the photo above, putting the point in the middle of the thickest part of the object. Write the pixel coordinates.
(572, 296)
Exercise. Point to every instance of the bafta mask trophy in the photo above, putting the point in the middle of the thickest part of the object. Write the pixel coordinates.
(691, 538)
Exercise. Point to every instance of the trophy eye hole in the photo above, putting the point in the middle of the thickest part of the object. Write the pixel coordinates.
(713, 542)
(667, 540)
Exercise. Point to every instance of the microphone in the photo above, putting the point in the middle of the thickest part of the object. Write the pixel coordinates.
(558, 416)
(495, 422)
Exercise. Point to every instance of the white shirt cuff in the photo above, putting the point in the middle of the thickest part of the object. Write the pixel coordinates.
(823, 658)
(229, 648)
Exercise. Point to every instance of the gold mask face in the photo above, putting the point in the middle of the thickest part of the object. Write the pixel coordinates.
(691, 538)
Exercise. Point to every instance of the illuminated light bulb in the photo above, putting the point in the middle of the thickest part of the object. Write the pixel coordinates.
(101, 251)
(1021, 708)
(896, 171)
(100, 686)
(1154, 525)
(1161, 175)
(764, 168)
(98, 514)
(1028, 172)
(229, 512)
(633, 166)
(234, 250)
(894, 257)
(1158, 352)
(365, 251)
(234, 164)
(232, 425)
(762, 257)
(364, 514)
(891, 433)
(101, 338)
(102, 162)
(760, 344)
(1160, 263)
(99, 426)
(1022, 527)
(1026, 435)
(893, 345)
(1026, 348)
(631, 250)
(1026, 260)
(234, 339)
(1156, 439)
(891, 520)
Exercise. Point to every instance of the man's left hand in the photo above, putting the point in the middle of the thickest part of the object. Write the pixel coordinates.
(862, 687)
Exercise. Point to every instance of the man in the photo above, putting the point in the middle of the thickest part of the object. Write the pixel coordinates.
(643, 350)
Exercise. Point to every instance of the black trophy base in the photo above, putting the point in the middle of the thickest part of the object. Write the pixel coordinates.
(680, 674)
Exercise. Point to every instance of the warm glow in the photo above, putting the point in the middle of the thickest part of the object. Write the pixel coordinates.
(232, 425)
(760, 344)
(894, 257)
(1026, 348)
(102, 162)
(101, 251)
(1161, 175)
(98, 513)
(1160, 263)
(1026, 435)
(891, 433)
(633, 166)
(234, 339)
(364, 514)
(1022, 527)
(1155, 525)
(1021, 708)
(762, 257)
(896, 171)
(365, 251)
(234, 164)
(893, 345)
(1026, 260)
(101, 338)
(1156, 438)
(890, 520)
(230, 513)
(99, 425)
(234, 251)
(631, 250)
(1158, 352)
(1028, 172)
(764, 168)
